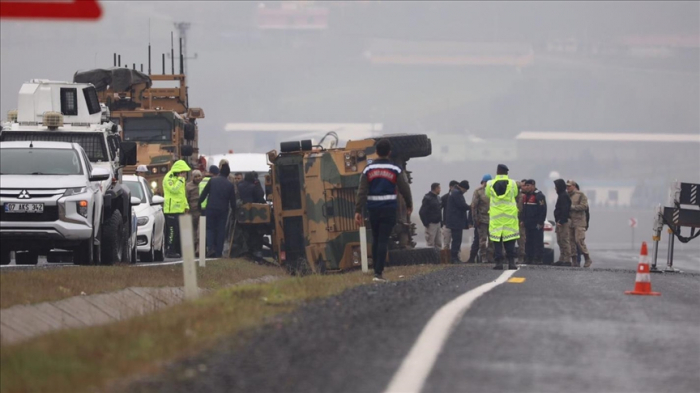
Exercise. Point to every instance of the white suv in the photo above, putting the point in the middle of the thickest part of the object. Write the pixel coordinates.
(51, 197)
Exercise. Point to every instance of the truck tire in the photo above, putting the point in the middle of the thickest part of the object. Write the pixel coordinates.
(159, 254)
(148, 256)
(26, 258)
(415, 256)
(84, 253)
(189, 133)
(112, 243)
(186, 150)
(410, 146)
(5, 254)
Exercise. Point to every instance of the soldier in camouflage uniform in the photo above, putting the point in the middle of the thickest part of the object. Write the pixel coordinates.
(577, 215)
(480, 212)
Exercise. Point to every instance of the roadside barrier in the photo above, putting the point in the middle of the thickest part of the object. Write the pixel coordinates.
(188, 266)
(642, 284)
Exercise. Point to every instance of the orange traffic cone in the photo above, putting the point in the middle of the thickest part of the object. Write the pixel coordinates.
(642, 285)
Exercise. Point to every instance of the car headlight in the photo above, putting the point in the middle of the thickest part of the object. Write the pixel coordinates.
(154, 185)
(142, 221)
(75, 191)
(82, 208)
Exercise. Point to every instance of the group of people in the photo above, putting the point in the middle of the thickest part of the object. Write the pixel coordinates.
(216, 194)
(504, 212)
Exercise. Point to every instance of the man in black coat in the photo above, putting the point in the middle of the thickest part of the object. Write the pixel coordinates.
(446, 233)
(534, 215)
(220, 194)
(561, 216)
(456, 219)
(431, 216)
(250, 191)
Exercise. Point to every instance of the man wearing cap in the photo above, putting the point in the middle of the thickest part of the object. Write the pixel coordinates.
(457, 209)
(480, 212)
(561, 217)
(431, 216)
(534, 215)
(175, 204)
(141, 170)
(446, 232)
(577, 229)
(503, 216)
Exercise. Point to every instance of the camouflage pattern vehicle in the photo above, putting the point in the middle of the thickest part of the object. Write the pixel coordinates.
(159, 120)
(313, 197)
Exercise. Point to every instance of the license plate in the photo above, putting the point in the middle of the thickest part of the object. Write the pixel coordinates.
(24, 208)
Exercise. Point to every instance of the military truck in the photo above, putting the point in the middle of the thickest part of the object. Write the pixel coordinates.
(313, 204)
(159, 120)
(53, 111)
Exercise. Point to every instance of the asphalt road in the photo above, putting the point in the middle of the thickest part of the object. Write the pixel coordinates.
(561, 329)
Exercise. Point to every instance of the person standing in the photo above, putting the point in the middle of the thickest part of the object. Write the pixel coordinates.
(380, 183)
(249, 191)
(237, 178)
(480, 212)
(192, 188)
(578, 226)
(521, 227)
(431, 217)
(220, 195)
(561, 217)
(534, 215)
(213, 171)
(175, 204)
(457, 209)
(141, 170)
(446, 233)
(503, 216)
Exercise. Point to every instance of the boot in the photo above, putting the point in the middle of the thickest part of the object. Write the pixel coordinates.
(472, 257)
(499, 265)
(511, 264)
(574, 262)
(588, 260)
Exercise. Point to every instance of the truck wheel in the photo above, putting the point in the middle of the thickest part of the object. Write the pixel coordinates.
(112, 243)
(410, 146)
(129, 254)
(83, 254)
(416, 256)
(150, 255)
(26, 258)
(5, 256)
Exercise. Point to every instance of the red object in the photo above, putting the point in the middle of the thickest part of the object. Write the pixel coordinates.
(642, 285)
(76, 9)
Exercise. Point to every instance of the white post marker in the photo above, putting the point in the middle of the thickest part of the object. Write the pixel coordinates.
(417, 365)
(188, 267)
(202, 241)
(363, 249)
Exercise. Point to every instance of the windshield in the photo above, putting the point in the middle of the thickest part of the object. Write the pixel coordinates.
(93, 143)
(136, 190)
(148, 129)
(29, 161)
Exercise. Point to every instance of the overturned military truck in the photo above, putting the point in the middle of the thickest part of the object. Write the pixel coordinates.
(313, 204)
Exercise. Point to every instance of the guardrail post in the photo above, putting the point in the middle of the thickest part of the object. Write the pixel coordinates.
(202, 240)
(188, 267)
(363, 249)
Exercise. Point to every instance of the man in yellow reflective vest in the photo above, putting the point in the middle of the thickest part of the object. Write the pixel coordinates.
(175, 204)
(504, 228)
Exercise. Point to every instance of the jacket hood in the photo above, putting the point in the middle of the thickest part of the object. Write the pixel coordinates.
(180, 166)
(560, 185)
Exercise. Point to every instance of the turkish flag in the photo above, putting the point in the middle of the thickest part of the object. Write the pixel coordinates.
(50, 10)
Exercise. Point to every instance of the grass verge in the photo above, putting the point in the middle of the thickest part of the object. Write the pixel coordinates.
(43, 285)
(88, 359)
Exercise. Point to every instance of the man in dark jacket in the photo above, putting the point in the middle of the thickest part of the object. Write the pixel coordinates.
(561, 216)
(380, 185)
(457, 209)
(431, 216)
(250, 191)
(446, 232)
(534, 215)
(220, 195)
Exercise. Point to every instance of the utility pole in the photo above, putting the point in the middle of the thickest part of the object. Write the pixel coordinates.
(182, 28)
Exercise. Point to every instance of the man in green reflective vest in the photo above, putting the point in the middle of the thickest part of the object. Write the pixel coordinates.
(504, 228)
(213, 171)
(175, 204)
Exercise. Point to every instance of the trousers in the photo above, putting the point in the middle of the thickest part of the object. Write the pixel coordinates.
(534, 244)
(382, 221)
(509, 248)
(433, 237)
(172, 234)
(446, 238)
(456, 246)
(563, 241)
(216, 231)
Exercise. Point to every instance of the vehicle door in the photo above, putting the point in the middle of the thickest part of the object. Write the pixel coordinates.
(94, 189)
(155, 211)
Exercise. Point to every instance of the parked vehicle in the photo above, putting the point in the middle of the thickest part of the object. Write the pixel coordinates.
(150, 238)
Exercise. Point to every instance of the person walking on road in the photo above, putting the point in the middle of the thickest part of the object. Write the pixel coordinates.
(534, 215)
(220, 195)
(431, 217)
(446, 233)
(579, 224)
(480, 212)
(503, 216)
(456, 220)
(175, 195)
(193, 202)
(561, 217)
(380, 183)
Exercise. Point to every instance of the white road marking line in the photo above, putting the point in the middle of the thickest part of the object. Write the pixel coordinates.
(417, 365)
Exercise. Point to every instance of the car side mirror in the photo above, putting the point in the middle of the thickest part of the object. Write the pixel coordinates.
(135, 201)
(127, 153)
(99, 174)
(157, 200)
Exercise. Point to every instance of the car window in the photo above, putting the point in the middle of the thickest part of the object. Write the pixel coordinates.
(149, 192)
(136, 189)
(87, 162)
(31, 161)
